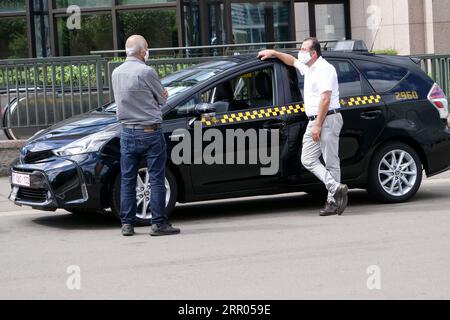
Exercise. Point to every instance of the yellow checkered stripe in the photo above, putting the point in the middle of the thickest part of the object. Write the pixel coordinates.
(361, 101)
(254, 114)
(285, 110)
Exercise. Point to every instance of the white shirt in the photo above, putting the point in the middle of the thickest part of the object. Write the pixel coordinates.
(319, 78)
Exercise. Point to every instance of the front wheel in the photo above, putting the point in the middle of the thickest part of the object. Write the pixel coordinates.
(143, 193)
(395, 173)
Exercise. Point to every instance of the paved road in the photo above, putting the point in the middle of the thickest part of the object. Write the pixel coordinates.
(268, 248)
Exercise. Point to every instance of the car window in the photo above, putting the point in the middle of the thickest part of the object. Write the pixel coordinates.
(349, 78)
(381, 76)
(295, 87)
(248, 90)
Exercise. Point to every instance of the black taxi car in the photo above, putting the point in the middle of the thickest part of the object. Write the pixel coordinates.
(395, 127)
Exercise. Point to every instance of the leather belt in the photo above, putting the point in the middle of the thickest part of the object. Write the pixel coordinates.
(329, 113)
(146, 128)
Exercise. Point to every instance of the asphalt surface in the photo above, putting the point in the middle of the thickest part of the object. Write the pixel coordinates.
(253, 248)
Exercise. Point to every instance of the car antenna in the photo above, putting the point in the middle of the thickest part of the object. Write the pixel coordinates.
(376, 34)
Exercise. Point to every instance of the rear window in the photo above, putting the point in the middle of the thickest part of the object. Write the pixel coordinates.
(382, 77)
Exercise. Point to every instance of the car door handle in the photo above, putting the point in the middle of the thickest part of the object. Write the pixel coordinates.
(273, 125)
(371, 115)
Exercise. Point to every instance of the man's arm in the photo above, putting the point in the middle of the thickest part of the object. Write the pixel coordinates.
(284, 57)
(324, 105)
(152, 80)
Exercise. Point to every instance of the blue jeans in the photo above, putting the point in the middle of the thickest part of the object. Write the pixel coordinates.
(136, 146)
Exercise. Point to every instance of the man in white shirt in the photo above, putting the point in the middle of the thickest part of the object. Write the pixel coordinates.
(321, 97)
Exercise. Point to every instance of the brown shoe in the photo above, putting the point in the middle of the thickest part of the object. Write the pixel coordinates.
(330, 209)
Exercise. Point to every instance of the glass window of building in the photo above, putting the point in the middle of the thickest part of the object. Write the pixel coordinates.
(95, 34)
(13, 40)
(191, 14)
(83, 3)
(330, 21)
(39, 11)
(12, 5)
(157, 26)
(260, 22)
(248, 22)
(127, 2)
(42, 38)
(281, 21)
(216, 22)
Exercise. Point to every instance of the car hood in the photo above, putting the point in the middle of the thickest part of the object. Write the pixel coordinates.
(76, 127)
(70, 130)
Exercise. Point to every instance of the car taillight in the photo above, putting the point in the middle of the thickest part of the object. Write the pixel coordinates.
(439, 100)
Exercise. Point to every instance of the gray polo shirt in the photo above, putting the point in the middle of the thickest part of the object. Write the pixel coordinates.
(138, 93)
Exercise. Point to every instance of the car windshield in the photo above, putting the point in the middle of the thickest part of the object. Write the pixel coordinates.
(181, 81)
(177, 83)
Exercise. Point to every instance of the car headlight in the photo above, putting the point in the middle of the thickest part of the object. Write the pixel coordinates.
(91, 143)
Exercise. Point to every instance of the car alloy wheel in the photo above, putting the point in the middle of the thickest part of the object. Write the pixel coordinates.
(397, 173)
(143, 194)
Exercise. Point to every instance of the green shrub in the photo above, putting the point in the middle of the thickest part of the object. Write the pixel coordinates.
(390, 52)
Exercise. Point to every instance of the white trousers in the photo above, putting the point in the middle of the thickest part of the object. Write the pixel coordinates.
(328, 147)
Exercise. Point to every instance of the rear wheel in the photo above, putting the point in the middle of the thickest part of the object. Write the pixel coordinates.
(395, 173)
(143, 193)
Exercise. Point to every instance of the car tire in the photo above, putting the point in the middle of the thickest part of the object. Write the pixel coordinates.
(172, 195)
(394, 181)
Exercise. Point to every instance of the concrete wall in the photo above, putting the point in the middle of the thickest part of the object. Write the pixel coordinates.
(407, 26)
(381, 23)
(441, 25)
(9, 154)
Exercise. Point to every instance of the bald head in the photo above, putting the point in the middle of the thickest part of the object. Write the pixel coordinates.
(136, 46)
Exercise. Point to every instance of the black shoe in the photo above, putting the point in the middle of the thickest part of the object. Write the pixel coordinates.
(127, 230)
(163, 230)
(330, 209)
(341, 198)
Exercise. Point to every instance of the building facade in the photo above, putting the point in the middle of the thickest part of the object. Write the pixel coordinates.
(41, 28)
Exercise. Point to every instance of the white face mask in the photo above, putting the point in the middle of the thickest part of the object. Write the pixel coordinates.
(304, 57)
(146, 56)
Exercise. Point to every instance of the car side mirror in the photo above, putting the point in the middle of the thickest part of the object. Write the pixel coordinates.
(205, 109)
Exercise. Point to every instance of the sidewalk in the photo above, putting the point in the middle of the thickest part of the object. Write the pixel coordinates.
(5, 204)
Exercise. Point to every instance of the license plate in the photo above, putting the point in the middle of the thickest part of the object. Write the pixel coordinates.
(20, 179)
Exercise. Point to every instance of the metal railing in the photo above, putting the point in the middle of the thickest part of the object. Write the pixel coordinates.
(438, 68)
(37, 93)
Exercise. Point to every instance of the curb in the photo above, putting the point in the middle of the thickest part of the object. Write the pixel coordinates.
(9, 153)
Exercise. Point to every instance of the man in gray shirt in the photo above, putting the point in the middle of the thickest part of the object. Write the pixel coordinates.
(139, 95)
